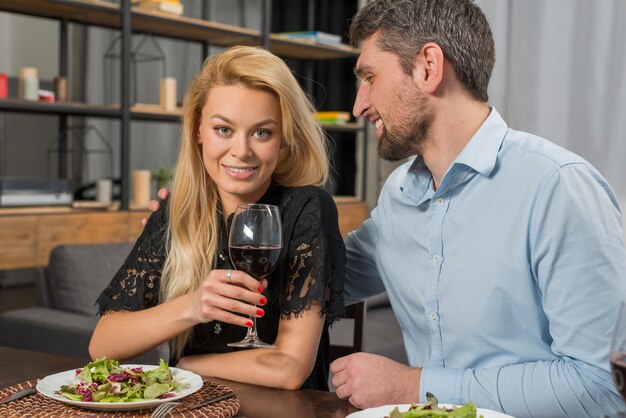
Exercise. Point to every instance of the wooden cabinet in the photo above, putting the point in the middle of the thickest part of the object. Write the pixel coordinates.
(28, 238)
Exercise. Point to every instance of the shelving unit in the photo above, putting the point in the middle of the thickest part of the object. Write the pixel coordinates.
(132, 20)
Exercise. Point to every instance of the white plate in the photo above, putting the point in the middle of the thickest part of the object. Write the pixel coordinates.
(50, 384)
(384, 411)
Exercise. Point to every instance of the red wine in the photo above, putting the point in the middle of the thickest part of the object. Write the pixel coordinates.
(257, 262)
(618, 364)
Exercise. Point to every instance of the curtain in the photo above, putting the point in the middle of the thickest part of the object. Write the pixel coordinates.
(561, 73)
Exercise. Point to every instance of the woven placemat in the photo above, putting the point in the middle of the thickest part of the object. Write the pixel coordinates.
(39, 406)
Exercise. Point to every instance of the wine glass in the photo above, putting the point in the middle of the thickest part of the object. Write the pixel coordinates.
(618, 351)
(254, 244)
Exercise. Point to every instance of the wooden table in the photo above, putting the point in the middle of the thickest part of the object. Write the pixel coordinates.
(256, 401)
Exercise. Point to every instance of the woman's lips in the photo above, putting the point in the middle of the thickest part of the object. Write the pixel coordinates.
(240, 172)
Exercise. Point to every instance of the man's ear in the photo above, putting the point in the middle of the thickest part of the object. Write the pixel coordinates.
(428, 67)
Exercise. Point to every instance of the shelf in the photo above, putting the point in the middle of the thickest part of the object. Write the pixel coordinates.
(344, 127)
(66, 108)
(191, 29)
(194, 29)
(138, 112)
(46, 210)
(105, 14)
(297, 48)
(155, 113)
(82, 207)
(91, 12)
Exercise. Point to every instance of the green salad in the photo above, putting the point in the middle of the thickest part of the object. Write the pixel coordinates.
(431, 409)
(104, 380)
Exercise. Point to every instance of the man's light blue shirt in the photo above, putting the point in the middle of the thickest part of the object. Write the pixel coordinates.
(506, 280)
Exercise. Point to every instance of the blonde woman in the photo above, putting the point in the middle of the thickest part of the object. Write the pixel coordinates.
(248, 136)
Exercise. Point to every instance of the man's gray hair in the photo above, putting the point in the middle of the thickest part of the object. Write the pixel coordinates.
(459, 27)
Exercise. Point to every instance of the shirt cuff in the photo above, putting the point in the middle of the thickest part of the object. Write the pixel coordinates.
(446, 384)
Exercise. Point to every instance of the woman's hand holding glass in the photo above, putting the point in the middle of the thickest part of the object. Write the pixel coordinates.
(226, 295)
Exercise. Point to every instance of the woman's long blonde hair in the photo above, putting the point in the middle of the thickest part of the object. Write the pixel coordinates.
(194, 209)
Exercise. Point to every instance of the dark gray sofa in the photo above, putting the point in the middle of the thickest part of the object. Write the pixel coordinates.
(66, 314)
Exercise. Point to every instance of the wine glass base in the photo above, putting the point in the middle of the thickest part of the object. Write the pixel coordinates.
(250, 343)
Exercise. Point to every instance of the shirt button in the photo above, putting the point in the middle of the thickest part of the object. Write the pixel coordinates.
(437, 258)
(433, 316)
(440, 202)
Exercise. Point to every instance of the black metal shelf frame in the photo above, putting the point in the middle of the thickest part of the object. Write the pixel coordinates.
(121, 18)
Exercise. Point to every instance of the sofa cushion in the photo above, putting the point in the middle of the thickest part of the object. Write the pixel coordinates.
(57, 332)
(78, 273)
(47, 330)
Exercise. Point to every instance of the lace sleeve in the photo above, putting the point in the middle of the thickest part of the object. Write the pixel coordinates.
(316, 258)
(135, 286)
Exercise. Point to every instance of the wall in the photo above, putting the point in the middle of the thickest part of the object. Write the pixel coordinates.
(21, 135)
(38, 51)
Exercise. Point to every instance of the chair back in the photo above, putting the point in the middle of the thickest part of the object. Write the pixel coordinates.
(342, 346)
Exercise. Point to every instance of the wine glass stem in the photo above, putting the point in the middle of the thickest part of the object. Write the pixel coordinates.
(252, 330)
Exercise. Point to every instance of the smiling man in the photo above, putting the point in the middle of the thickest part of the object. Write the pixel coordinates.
(502, 253)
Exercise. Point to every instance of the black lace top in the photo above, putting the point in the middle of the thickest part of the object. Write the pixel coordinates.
(310, 272)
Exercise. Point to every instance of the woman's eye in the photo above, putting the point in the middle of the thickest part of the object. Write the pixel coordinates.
(222, 130)
(262, 133)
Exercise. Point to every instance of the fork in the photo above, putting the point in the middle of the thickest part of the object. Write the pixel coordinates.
(162, 410)
(166, 407)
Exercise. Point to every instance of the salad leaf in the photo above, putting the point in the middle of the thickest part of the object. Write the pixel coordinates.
(155, 390)
(104, 380)
(431, 409)
(161, 374)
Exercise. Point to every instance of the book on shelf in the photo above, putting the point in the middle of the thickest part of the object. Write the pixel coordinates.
(332, 117)
(315, 37)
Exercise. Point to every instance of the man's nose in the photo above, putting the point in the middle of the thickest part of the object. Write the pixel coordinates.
(361, 103)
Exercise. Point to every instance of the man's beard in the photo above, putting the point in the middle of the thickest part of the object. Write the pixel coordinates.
(412, 128)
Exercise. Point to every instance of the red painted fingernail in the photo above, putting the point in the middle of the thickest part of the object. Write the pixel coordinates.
(249, 324)
(260, 312)
(260, 289)
(263, 300)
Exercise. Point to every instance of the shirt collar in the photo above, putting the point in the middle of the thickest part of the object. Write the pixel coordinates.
(481, 152)
(480, 155)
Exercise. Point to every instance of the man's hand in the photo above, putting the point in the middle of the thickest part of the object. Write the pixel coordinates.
(368, 380)
(154, 205)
